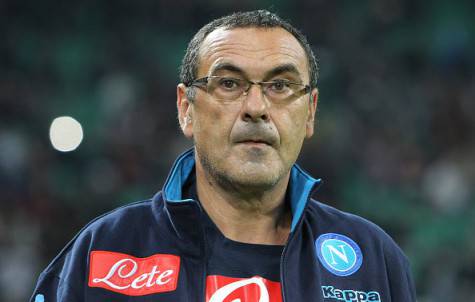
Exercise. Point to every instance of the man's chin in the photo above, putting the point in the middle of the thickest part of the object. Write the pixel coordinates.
(253, 176)
(254, 152)
(240, 171)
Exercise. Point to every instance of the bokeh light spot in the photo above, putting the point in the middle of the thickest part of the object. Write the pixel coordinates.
(65, 133)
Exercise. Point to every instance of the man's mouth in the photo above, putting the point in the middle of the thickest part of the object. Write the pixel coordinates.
(256, 142)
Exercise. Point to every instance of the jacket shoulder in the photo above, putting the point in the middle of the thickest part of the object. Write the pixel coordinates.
(328, 219)
(129, 217)
(381, 252)
(117, 227)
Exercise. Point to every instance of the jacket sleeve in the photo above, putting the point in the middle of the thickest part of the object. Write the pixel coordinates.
(64, 278)
(50, 288)
(400, 277)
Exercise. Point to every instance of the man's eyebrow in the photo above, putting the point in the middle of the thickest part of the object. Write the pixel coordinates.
(285, 68)
(226, 67)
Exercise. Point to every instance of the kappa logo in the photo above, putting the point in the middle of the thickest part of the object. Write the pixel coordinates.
(133, 276)
(349, 295)
(255, 289)
(338, 254)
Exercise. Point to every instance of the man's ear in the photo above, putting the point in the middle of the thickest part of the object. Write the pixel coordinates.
(311, 112)
(185, 108)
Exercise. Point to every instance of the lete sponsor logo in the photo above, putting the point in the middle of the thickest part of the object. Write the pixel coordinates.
(133, 276)
(255, 289)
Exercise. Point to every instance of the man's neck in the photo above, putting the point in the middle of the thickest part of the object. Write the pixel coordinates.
(263, 218)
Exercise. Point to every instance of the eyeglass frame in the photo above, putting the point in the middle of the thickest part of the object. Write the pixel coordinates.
(204, 80)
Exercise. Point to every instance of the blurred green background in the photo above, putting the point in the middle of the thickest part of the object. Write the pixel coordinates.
(394, 143)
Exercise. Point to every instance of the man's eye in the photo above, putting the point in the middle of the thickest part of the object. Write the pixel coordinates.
(279, 85)
(229, 83)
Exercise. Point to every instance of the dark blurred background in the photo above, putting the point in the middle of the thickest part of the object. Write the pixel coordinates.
(395, 132)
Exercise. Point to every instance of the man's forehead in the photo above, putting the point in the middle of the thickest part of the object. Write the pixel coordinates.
(256, 46)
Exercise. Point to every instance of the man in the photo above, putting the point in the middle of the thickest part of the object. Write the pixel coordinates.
(235, 221)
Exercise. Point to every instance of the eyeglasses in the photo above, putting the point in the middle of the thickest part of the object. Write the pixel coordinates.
(228, 89)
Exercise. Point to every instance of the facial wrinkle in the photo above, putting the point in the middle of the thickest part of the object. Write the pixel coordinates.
(244, 50)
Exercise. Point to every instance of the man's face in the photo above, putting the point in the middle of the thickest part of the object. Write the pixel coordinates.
(253, 141)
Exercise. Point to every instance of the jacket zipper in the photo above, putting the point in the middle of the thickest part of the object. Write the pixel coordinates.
(289, 241)
(282, 269)
(282, 261)
(205, 256)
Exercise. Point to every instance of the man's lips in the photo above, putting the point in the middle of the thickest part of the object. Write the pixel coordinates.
(256, 135)
(255, 142)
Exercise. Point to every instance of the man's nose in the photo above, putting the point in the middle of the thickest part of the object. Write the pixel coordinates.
(255, 105)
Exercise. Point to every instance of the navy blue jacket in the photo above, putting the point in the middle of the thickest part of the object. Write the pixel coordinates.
(329, 256)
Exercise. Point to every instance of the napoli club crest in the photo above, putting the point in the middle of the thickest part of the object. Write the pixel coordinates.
(339, 254)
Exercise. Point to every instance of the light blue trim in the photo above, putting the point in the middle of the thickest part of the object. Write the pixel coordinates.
(176, 179)
(301, 184)
(39, 298)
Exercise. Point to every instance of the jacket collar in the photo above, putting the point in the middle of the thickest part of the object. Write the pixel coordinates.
(301, 185)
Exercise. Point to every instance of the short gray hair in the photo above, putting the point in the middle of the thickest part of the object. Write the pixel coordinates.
(257, 18)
